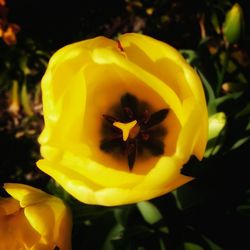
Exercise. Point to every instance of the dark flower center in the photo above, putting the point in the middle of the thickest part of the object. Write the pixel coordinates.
(132, 128)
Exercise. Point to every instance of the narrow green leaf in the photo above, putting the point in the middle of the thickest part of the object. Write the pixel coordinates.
(189, 55)
(121, 214)
(210, 93)
(114, 234)
(25, 100)
(211, 244)
(192, 246)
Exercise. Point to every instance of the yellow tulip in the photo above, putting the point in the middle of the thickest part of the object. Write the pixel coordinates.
(121, 119)
(31, 219)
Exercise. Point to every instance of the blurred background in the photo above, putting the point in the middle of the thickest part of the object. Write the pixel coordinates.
(211, 212)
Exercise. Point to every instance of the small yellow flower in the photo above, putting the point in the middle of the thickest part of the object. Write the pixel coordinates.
(121, 119)
(34, 220)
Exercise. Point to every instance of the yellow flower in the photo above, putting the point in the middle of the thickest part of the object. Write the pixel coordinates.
(121, 119)
(34, 220)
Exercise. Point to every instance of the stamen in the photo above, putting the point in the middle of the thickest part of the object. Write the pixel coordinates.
(110, 119)
(156, 147)
(156, 118)
(129, 104)
(109, 145)
(131, 152)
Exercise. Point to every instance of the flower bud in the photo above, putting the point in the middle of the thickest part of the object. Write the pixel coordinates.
(234, 24)
(216, 124)
(32, 219)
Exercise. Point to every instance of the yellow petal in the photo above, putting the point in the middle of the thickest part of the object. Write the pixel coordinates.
(25, 194)
(16, 232)
(165, 175)
(52, 220)
(133, 43)
(103, 56)
(199, 96)
(189, 136)
(8, 206)
(64, 71)
(159, 58)
(43, 223)
(111, 196)
(76, 185)
(42, 218)
(83, 169)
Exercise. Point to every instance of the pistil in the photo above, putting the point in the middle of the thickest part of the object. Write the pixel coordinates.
(126, 128)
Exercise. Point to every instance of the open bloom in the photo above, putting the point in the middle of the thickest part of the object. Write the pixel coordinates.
(32, 219)
(121, 119)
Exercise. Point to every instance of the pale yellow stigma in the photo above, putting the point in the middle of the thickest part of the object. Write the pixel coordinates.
(126, 128)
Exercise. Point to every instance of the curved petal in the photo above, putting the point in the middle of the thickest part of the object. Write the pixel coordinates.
(43, 223)
(159, 58)
(52, 220)
(165, 173)
(152, 48)
(111, 196)
(196, 86)
(84, 168)
(17, 233)
(63, 82)
(25, 194)
(41, 218)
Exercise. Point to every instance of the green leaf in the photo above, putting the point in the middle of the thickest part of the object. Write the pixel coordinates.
(189, 55)
(215, 22)
(192, 246)
(121, 214)
(25, 100)
(210, 93)
(231, 96)
(162, 245)
(114, 234)
(211, 244)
